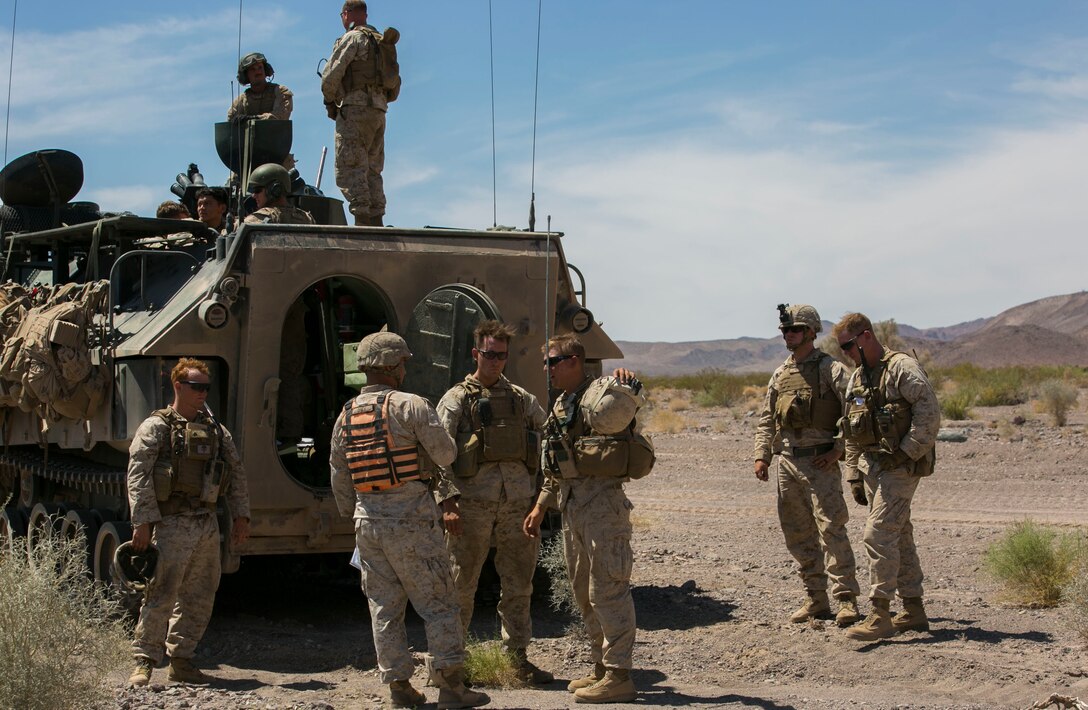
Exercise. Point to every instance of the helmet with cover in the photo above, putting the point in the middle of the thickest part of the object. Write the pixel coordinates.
(800, 314)
(135, 569)
(609, 406)
(249, 60)
(381, 349)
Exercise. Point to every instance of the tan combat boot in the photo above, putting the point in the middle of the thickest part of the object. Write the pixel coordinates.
(452, 692)
(404, 695)
(529, 673)
(848, 612)
(878, 625)
(615, 687)
(912, 618)
(591, 679)
(817, 607)
(182, 670)
(141, 674)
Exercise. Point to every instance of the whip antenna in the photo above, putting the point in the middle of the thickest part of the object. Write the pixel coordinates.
(494, 158)
(11, 66)
(239, 30)
(548, 310)
(536, 94)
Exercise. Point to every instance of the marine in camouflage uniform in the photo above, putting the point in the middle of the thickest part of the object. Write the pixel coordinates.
(286, 214)
(263, 100)
(799, 422)
(596, 536)
(355, 98)
(178, 601)
(397, 529)
(496, 488)
(890, 423)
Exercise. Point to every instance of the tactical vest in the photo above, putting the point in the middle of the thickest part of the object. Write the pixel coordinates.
(194, 469)
(802, 401)
(375, 464)
(492, 429)
(378, 70)
(576, 450)
(256, 104)
(871, 422)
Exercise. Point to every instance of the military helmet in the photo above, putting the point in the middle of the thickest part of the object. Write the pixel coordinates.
(800, 314)
(382, 349)
(609, 406)
(249, 60)
(273, 178)
(135, 569)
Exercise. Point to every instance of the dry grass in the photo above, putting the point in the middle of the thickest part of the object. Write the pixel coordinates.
(1056, 398)
(1076, 593)
(488, 664)
(554, 563)
(664, 421)
(1035, 563)
(679, 404)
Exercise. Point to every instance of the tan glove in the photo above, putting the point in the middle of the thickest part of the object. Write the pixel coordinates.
(857, 489)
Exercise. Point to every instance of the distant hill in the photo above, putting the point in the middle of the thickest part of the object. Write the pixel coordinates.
(1050, 331)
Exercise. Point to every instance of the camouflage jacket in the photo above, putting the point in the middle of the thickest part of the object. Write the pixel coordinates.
(278, 105)
(769, 439)
(280, 215)
(497, 478)
(151, 441)
(351, 46)
(412, 421)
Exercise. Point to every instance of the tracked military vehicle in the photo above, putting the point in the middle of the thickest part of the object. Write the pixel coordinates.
(96, 312)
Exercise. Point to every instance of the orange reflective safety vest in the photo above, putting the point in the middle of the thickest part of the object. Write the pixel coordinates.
(374, 463)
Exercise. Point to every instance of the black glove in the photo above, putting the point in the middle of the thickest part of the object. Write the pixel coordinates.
(857, 489)
(331, 109)
(635, 385)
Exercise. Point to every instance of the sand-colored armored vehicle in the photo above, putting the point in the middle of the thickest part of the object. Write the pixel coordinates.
(94, 315)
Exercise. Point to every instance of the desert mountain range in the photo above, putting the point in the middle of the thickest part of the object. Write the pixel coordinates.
(1050, 331)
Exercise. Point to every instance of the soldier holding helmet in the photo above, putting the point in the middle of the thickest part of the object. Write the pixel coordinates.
(799, 422)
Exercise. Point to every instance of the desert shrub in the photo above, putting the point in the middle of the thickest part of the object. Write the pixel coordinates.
(60, 634)
(554, 563)
(1076, 593)
(1004, 386)
(711, 388)
(1056, 398)
(957, 405)
(488, 664)
(664, 421)
(1034, 563)
(679, 404)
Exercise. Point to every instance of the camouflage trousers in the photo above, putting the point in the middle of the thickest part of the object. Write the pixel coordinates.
(597, 543)
(178, 603)
(360, 158)
(813, 516)
(515, 561)
(402, 560)
(889, 534)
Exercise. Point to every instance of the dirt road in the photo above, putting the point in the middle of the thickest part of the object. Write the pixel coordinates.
(713, 587)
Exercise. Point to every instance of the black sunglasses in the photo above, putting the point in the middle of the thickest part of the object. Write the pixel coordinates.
(492, 355)
(849, 344)
(554, 360)
(198, 386)
(793, 329)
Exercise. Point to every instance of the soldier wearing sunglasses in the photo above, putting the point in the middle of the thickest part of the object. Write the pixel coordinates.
(890, 425)
(799, 422)
(182, 460)
(496, 425)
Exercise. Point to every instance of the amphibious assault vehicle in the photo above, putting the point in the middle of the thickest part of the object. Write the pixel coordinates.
(98, 308)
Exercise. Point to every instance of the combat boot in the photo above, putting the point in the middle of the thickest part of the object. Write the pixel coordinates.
(141, 674)
(182, 670)
(912, 618)
(615, 687)
(404, 695)
(817, 607)
(529, 673)
(878, 625)
(452, 692)
(361, 221)
(848, 612)
(591, 679)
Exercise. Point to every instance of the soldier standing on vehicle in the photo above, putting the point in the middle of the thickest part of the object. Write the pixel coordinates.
(181, 461)
(591, 448)
(890, 424)
(496, 425)
(383, 444)
(799, 422)
(270, 184)
(360, 80)
(263, 99)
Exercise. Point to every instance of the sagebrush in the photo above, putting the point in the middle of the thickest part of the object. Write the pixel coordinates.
(957, 405)
(1035, 563)
(1056, 398)
(553, 561)
(61, 635)
(488, 664)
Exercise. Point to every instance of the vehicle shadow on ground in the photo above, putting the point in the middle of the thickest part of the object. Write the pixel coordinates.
(678, 607)
(652, 692)
(948, 630)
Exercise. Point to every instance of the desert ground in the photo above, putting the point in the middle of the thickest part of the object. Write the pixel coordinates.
(713, 587)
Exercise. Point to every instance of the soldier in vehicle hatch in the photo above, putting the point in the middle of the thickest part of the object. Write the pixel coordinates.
(270, 184)
(263, 99)
(181, 461)
(799, 422)
(496, 425)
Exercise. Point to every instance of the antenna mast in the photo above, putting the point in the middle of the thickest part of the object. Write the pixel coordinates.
(536, 94)
(11, 67)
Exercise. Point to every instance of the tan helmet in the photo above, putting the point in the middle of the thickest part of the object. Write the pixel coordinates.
(800, 314)
(135, 570)
(381, 350)
(608, 406)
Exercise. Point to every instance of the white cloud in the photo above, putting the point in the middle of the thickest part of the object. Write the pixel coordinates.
(140, 199)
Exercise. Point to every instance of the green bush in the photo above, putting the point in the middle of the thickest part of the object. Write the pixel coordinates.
(1056, 398)
(957, 405)
(1035, 563)
(1004, 386)
(60, 635)
(711, 388)
(488, 664)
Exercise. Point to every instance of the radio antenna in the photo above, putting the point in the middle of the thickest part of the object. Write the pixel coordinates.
(11, 66)
(494, 155)
(536, 95)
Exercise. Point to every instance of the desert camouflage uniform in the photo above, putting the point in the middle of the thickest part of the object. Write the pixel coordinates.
(400, 542)
(889, 534)
(178, 603)
(279, 215)
(274, 102)
(495, 501)
(360, 125)
(597, 542)
(811, 509)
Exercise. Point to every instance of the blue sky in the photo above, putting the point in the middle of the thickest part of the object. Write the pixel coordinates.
(706, 159)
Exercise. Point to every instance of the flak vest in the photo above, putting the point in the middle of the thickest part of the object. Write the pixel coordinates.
(256, 104)
(802, 402)
(194, 473)
(365, 72)
(374, 462)
(496, 430)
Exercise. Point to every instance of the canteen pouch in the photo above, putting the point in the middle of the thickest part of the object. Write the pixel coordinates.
(466, 465)
(162, 476)
(641, 458)
(602, 456)
(213, 479)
